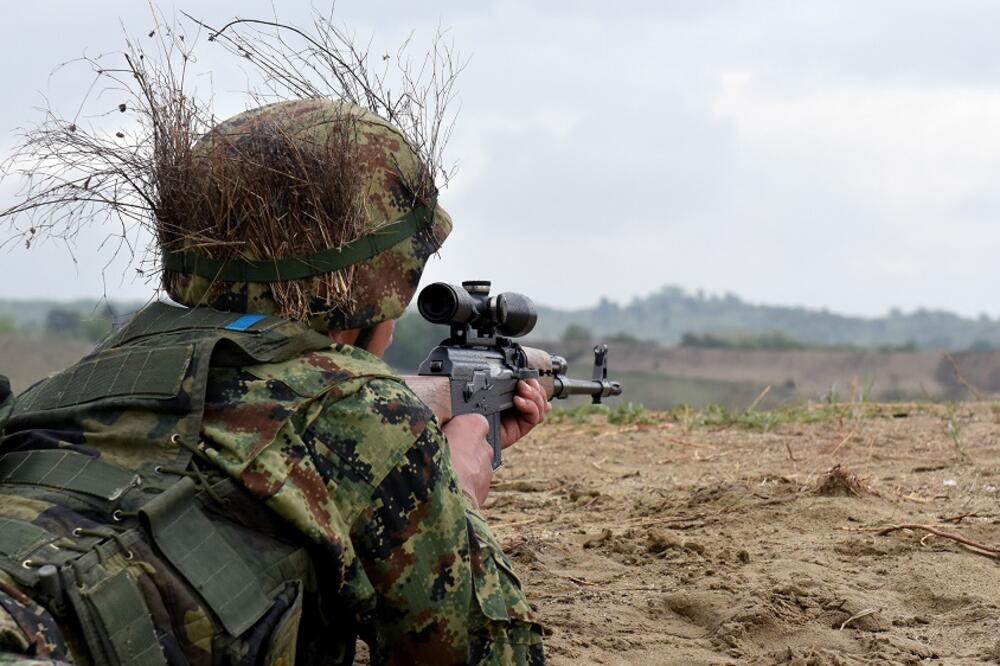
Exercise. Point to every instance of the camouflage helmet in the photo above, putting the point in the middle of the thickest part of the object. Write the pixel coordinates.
(401, 225)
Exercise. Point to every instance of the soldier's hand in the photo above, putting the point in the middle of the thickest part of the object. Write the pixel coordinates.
(530, 407)
(471, 454)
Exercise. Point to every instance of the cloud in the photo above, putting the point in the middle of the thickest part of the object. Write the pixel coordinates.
(837, 154)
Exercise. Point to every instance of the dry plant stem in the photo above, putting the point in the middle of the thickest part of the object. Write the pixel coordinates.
(844, 441)
(983, 549)
(791, 456)
(721, 454)
(857, 616)
(959, 518)
(685, 443)
(329, 59)
(761, 396)
(134, 179)
(958, 376)
(516, 523)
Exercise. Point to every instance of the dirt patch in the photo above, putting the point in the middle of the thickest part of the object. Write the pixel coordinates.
(660, 544)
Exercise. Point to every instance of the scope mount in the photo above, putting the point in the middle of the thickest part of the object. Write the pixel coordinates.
(465, 334)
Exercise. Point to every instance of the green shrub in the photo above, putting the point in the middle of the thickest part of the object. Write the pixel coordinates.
(630, 413)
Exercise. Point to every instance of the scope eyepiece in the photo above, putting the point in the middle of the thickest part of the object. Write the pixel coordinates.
(471, 306)
(515, 314)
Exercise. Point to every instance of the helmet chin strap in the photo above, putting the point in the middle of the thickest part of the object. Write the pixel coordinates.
(365, 338)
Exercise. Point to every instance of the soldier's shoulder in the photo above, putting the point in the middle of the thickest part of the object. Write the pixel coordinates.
(375, 428)
(340, 368)
(353, 417)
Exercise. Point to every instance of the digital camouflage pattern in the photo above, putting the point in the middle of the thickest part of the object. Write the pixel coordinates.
(26, 628)
(342, 449)
(349, 459)
(323, 472)
(381, 287)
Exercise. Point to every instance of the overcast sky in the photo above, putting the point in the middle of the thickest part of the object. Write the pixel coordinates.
(830, 154)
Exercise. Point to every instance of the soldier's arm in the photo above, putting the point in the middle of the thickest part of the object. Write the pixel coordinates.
(444, 591)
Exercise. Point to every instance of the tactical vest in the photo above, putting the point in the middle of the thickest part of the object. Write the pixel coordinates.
(6, 402)
(114, 439)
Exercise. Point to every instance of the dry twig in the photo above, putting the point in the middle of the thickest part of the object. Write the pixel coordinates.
(857, 616)
(761, 396)
(126, 161)
(958, 376)
(979, 548)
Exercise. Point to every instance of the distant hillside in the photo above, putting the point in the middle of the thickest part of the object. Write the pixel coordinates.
(35, 316)
(668, 317)
(672, 312)
(26, 360)
(705, 350)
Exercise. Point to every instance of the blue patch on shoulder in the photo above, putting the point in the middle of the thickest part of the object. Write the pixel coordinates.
(244, 322)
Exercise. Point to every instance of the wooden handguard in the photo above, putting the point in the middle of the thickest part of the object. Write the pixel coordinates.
(541, 360)
(435, 392)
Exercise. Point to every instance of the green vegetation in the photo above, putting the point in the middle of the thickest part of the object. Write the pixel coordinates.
(75, 320)
(578, 414)
(577, 333)
(672, 312)
(413, 339)
(66, 323)
(773, 340)
(630, 413)
(715, 417)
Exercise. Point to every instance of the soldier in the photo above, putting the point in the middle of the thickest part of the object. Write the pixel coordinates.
(243, 480)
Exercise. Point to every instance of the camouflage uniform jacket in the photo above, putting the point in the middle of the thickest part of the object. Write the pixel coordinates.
(363, 470)
(340, 449)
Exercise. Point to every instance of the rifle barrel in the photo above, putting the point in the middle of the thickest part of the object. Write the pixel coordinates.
(598, 388)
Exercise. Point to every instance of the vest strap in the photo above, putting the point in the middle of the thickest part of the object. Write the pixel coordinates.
(66, 470)
(19, 538)
(124, 622)
(112, 615)
(189, 541)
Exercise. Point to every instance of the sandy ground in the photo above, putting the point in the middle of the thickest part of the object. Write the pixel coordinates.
(670, 543)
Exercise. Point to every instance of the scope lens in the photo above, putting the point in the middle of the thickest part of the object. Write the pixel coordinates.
(437, 303)
(442, 303)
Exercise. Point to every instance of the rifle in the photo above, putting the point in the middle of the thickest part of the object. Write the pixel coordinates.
(477, 368)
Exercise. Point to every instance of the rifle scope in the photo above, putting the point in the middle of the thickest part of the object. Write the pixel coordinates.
(471, 305)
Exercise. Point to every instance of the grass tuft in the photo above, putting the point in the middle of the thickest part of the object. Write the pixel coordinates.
(717, 416)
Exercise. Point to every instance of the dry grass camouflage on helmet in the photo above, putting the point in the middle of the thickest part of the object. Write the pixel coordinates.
(292, 179)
